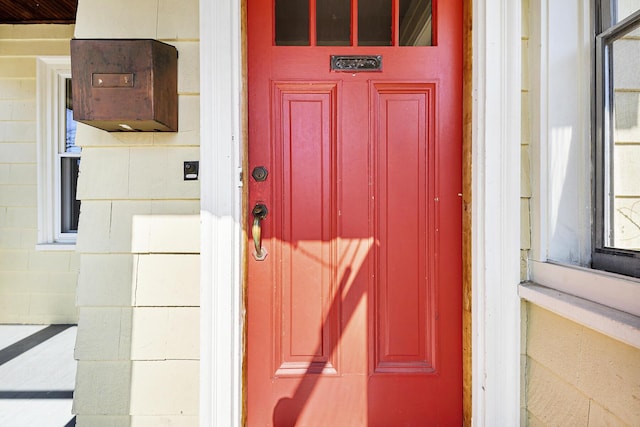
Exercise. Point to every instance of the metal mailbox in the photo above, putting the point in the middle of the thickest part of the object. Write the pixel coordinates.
(125, 85)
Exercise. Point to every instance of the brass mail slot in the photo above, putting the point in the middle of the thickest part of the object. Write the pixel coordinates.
(112, 80)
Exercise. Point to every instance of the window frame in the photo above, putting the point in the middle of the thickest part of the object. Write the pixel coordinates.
(559, 277)
(606, 31)
(51, 75)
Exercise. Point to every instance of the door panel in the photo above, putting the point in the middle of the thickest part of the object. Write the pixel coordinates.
(354, 316)
(304, 125)
(403, 190)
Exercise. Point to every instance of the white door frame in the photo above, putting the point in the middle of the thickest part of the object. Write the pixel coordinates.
(221, 306)
(497, 69)
(495, 213)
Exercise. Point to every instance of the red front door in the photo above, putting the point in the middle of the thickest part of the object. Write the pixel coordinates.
(354, 267)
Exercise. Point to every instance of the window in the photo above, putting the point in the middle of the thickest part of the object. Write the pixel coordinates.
(335, 23)
(58, 155)
(562, 123)
(616, 241)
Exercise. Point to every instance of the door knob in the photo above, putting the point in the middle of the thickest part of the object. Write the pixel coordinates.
(259, 213)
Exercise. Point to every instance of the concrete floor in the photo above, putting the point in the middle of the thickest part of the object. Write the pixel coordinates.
(37, 375)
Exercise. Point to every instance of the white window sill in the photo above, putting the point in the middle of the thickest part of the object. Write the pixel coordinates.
(609, 289)
(604, 302)
(56, 247)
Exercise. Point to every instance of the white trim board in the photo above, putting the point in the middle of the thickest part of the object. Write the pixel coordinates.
(495, 210)
(607, 289)
(614, 323)
(221, 318)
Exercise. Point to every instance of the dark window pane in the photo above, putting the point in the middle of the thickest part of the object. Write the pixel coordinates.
(333, 22)
(69, 206)
(415, 23)
(70, 124)
(374, 22)
(292, 22)
(70, 133)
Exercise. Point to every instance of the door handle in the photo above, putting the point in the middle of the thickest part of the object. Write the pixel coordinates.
(259, 213)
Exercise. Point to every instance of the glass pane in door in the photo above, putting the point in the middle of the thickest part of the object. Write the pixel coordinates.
(333, 22)
(374, 23)
(292, 23)
(415, 23)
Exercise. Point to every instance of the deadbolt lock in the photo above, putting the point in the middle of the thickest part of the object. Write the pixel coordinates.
(260, 173)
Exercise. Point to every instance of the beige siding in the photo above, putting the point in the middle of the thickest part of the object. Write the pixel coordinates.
(165, 334)
(576, 376)
(138, 290)
(35, 286)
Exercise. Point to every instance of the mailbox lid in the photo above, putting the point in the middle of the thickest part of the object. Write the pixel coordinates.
(125, 84)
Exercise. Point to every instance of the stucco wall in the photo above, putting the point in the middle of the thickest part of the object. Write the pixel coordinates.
(138, 290)
(35, 286)
(578, 377)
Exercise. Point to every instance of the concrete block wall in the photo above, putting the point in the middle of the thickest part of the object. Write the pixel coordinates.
(138, 290)
(35, 286)
(578, 377)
